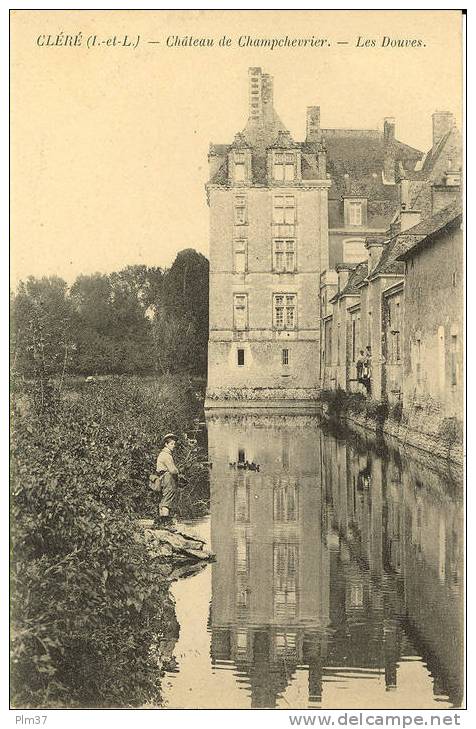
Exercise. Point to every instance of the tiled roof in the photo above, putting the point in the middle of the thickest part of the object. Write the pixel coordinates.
(362, 159)
(387, 263)
(391, 260)
(416, 236)
(429, 160)
(354, 162)
(355, 278)
(359, 274)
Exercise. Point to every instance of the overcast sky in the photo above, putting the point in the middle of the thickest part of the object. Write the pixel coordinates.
(109, 144)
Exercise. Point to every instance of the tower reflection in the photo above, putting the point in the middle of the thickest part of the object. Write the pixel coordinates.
(330, 559)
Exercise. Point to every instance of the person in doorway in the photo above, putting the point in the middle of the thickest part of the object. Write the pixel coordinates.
(367, 370)
(360, 365)
(168, 475)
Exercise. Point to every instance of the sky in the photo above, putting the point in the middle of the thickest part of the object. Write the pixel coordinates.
(109, 143)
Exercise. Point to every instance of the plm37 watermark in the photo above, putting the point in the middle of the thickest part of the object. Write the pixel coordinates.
(36, 719)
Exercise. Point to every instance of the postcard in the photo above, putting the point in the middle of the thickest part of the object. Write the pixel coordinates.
(237, 363)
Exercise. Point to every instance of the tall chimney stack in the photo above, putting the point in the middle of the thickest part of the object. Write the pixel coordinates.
(255, 88)
(260, 95)
(389, 150)
(389, 130)
(443, 122)
(313, 124)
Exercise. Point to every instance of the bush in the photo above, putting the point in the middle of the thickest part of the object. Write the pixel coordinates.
(377, 410)
(396, 411)
(90, 613)
(356, 402)
(335, 400)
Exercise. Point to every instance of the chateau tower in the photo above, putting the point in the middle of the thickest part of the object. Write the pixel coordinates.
(268, 244)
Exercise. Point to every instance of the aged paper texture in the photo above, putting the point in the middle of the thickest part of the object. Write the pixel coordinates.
(237, 360)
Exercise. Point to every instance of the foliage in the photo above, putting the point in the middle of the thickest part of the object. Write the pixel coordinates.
(339, 402)
(42, 341)
(139, 320)
(396, 411)
(335, 401)
(182, 322)
(92, 621)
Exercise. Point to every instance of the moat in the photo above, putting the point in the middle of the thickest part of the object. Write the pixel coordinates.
(339, 574)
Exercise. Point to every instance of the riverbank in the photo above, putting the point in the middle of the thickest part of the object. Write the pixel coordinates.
(91, 609)
(424, 430)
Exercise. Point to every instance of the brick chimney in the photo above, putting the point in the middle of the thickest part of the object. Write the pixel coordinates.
(389, 150)
(443, 122)
(313, 124)
(389, 129)
(343, 272)
(375, 246)
(260, 95)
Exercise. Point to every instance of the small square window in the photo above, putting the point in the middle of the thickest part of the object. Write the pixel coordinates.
(241, 357)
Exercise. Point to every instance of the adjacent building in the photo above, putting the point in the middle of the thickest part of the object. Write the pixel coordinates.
(432, 323)
(379, 302)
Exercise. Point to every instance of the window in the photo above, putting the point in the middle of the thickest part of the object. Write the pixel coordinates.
(284, 255)
(239, 167)
(240, 311)
(242, 554)
(240, 210)
(328, 343)
(394, 324)
(441, 358)
(285, 501)
(284, 209)
(284, 166)
(357, 595)
(396, 346)
(453, 279)
(453, 359)
(242, 501)
(285, 357)
(355, 213)
(418, 361)
(241, 357)
(285, 311)
(285, 572)
(240, 247)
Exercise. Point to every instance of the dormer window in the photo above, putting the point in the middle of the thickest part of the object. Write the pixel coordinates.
(284, 167)
(355, 213)
(239, 167)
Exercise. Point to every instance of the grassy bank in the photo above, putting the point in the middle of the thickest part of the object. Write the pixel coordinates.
(92, 620)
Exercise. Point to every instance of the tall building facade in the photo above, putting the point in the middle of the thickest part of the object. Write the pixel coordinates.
(268, 203)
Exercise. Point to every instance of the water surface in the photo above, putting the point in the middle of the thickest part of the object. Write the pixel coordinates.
(338, 580)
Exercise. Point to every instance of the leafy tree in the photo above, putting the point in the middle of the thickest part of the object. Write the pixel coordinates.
(43, 326)
(138, 320)
(185, 299)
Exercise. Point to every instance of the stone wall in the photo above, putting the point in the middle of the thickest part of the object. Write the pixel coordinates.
(261, 343)
(433, 330)
(427, 432)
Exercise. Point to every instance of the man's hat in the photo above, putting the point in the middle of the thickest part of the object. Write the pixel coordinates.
(169, 436)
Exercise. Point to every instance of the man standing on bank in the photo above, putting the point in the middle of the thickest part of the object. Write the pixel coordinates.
(168, 475)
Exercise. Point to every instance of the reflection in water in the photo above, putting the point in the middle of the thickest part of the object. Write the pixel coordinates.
(338, 575)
